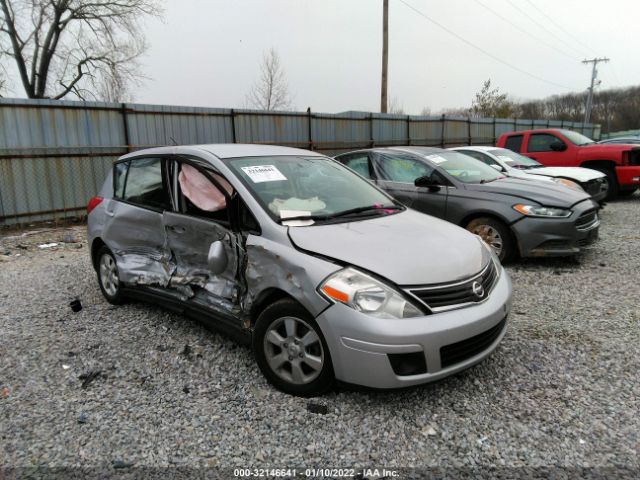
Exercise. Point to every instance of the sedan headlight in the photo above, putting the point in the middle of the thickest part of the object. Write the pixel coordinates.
(539, 211)
(367, 295)
(567, 183)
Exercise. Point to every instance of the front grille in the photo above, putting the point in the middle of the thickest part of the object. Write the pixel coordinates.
(454, 295)
(465, 349)
(587, 220)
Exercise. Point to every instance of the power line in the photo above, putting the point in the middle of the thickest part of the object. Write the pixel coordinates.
(521, 30)
(560, 27)
(542, 26)
(489, 54)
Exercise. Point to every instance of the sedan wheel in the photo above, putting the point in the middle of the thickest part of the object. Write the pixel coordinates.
(491, 236)
(495, 234)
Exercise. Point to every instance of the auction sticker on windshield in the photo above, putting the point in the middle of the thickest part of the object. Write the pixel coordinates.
(437, 159)
(505, 159)
(263, 173)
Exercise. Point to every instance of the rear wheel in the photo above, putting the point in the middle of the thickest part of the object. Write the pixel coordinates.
(291, 350)
(496, 234)
(108, 277)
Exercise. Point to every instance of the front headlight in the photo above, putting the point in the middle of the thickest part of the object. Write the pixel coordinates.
(545, 212)
(567, 183)
(367, 295)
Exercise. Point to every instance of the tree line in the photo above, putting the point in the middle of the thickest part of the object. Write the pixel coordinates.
(614, 109)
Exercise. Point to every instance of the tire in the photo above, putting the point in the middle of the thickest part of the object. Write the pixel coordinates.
(614, 188)
(627, 193)
(496, 234)
(109, 277)
(296, 369)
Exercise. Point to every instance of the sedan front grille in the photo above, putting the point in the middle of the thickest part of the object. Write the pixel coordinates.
(439, 298)
(460, 351)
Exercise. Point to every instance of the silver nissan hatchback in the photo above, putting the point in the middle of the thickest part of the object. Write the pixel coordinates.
(325, 275)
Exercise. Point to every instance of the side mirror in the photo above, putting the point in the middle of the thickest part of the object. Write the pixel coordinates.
(217, 259)
(497, 167)
(427, 181)
(558, 146)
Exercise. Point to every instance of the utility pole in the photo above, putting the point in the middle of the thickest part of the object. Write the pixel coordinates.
(594, 76)
(385, 55)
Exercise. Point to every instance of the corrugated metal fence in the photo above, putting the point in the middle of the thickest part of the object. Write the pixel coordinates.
(54, 155)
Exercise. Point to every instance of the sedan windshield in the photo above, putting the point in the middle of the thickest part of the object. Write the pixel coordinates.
(464, 168)
(576, 138)
(513, 159)
(313, 188)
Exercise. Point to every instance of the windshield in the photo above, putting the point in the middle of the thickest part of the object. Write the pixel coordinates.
(513, 159)
(315, 188)
(464, 168)
(576, 138)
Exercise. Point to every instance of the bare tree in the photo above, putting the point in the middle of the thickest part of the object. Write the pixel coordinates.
(491, 103)
(395, 106)
(74, 47)
(271, 91)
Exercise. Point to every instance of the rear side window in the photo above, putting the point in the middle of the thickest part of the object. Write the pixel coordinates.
(360, 164)
(478, 156)
(514, 142)
(145, 185)
(541, 142)
(119, 177)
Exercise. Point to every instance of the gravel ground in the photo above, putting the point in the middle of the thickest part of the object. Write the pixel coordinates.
(116, 386)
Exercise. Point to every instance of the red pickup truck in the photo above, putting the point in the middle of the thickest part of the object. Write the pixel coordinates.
(565, 148)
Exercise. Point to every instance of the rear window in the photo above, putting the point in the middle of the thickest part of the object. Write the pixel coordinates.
(514, 142)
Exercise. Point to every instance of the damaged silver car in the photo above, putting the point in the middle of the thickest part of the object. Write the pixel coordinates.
(325, 275)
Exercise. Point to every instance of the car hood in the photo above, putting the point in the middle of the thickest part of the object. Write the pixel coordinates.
(544, 193)
(408, 248)
(577, 174)
(515, 173)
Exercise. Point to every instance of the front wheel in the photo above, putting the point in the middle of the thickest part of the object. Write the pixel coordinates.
(614, 189)
(291, 350)
(496, 234)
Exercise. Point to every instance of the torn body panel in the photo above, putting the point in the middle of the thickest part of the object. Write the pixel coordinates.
(272, 265)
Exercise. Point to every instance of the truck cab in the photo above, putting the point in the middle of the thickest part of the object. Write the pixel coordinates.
(565, 148)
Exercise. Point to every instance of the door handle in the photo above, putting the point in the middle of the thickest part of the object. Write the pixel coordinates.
(110, 213)
(177, 228)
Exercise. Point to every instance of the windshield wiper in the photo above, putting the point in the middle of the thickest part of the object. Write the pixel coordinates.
(344, 213)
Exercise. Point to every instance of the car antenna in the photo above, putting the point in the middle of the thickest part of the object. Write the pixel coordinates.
(174, 142)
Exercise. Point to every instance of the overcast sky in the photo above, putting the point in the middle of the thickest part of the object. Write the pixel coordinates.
(207, 52)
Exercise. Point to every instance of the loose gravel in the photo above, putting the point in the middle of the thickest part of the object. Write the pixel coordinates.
(136, 385)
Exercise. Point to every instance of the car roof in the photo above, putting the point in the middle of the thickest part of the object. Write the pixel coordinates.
(229, 150)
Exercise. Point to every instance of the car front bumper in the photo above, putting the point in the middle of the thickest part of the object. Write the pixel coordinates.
(556, 237)
(363, 347)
